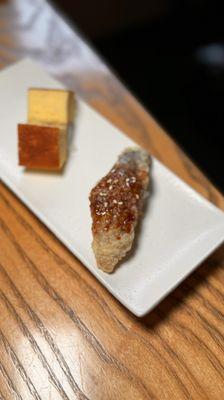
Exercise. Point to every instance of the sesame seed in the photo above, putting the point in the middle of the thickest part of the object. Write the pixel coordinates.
(102, 194)
(137, 196)
(115, 181)
(110, 187)
(114, 201)
(109, 180)
(127, 182)
(105, 204)
(120, 203)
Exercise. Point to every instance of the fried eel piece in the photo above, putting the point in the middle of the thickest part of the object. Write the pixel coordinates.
(116, 204)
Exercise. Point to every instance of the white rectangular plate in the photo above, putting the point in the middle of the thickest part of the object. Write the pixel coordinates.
(179, 228)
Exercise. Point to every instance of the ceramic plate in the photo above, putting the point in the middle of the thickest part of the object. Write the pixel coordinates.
(179, 228)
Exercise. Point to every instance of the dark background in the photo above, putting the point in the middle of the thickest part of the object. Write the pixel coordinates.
(170, 53)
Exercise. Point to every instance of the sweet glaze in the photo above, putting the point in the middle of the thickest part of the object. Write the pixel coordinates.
(115, 200)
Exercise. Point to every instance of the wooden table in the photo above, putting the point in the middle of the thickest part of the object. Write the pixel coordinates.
(62, 335)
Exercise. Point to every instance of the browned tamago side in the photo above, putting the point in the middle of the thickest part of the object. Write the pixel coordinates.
(39, 146)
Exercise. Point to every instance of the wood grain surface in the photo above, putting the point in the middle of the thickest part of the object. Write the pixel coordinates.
(62, 335)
